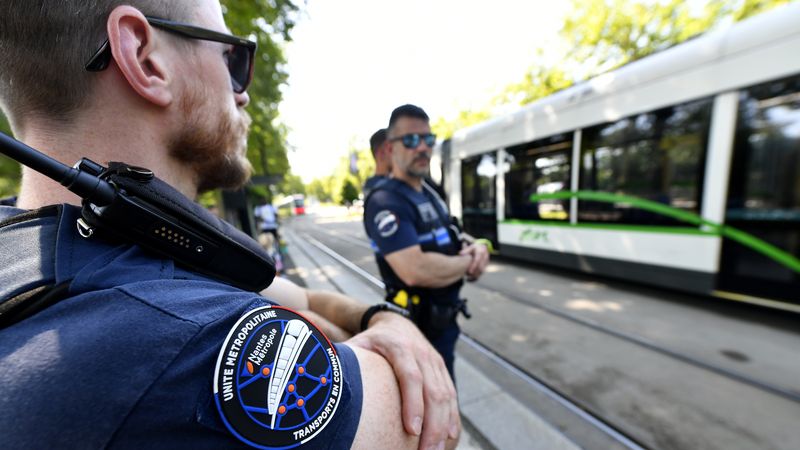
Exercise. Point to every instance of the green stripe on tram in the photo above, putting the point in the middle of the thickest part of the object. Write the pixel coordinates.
(614, 226)
(716, 229)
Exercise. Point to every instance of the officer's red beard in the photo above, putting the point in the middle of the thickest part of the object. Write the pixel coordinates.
(213, 141)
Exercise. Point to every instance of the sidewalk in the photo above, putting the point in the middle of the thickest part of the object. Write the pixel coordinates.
(493, 419)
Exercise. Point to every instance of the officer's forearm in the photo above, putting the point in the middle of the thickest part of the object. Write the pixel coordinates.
(333, 332)
(342, 311)
(339, 309)
(439, 270)
(428, 269)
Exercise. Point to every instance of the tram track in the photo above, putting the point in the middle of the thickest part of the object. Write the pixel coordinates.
(650, 345)
(498, 360)
(627, 337)
(655, 399)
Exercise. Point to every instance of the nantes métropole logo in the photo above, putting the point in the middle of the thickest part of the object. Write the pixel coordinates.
(278, 381)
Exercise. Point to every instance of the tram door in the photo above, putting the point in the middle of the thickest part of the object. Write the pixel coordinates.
(479, 196)
(764, 194)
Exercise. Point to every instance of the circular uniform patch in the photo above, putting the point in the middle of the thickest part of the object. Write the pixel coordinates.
(278, 380)
(386, 223)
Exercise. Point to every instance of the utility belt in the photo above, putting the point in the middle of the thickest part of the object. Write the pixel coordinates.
(431, 317)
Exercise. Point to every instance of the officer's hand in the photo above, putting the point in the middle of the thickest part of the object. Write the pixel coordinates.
(430, 404)
(480, 259)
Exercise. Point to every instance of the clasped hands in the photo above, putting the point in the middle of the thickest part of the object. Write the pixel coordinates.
(480, 259)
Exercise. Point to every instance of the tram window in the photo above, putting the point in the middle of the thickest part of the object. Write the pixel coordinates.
(478, 196)
(657, 156)
(765, 180)
(478, 184)
(764, 189)
(539, 167)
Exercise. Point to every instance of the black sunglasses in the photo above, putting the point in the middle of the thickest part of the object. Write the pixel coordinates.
(240, 57)
(412, 140)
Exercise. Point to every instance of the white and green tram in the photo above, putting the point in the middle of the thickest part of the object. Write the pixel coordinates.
(680, 170)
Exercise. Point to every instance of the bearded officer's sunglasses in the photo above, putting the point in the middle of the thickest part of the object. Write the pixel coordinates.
(412, 140)
(240, 57)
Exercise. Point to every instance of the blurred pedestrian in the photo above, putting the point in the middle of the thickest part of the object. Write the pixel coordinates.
(267, 219)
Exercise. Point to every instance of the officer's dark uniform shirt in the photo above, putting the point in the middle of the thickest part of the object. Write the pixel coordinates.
(127, 360)
(371, 182)
(394, 223)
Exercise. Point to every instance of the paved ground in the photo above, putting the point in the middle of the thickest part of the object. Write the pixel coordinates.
(512, 424)
(632, 355)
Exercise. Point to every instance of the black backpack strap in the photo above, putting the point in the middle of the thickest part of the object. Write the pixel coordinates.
(45, 293)
(26, 304)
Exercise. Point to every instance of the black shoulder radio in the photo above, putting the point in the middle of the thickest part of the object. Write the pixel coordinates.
(130, 203)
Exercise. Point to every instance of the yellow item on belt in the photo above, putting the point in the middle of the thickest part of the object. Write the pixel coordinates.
(415, 299)
(401, 299)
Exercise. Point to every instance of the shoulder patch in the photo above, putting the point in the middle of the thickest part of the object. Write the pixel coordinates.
(278, 381)
(386, 223)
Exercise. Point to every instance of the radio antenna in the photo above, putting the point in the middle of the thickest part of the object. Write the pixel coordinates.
(81, 182)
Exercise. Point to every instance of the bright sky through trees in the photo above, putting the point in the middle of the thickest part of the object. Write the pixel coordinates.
(352, 61)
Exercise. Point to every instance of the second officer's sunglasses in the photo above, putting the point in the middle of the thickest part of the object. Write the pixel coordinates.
(412, 140)
(240, 57)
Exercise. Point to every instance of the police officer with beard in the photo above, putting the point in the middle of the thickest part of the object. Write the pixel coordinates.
(421, 259)
(130, 349)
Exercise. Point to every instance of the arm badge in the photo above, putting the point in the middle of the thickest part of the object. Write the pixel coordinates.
(278, 380)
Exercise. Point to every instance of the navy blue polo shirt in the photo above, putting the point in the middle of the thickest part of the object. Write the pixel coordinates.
(371, 182)
(393, 223)
(128, 359)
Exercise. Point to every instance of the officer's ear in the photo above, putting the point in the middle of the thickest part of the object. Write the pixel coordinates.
(387, 148)
(142, 63)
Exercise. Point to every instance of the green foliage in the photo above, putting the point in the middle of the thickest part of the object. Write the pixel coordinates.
(9, 169)
(750, 8)
(4, 126)
(332, 188)
(292, 184)
(349, 191)
(539, 82)
(444, 128)
(320, 188)
(606, 34)
(269, 23)
(209, 199)
(366, 166)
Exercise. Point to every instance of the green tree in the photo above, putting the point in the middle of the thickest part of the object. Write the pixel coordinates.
(333, 187)
(366, 166)
(539, 82)
(444, 128)
(604, 35)
(328, 184)
(315, 189)
(269, 23)
(320, 189)
(607, 34)
(349, 192)
(292, 184)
